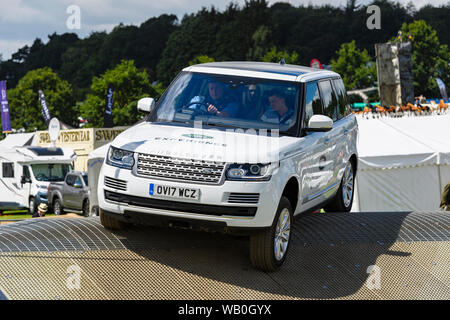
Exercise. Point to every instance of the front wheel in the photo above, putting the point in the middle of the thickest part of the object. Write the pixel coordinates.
(31, 206)
(342, 201)
(86, 211)
(269, 248)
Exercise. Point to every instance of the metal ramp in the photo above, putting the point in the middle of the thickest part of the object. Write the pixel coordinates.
(328, 259)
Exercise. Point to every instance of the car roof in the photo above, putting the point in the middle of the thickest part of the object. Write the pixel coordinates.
(266, 70)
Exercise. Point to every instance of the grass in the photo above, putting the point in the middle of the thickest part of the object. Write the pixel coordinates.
(19, 216)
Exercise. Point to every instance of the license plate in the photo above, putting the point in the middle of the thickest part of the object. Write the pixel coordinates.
(160, 190)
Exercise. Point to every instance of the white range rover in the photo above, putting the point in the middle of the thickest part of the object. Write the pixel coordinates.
(240, 147)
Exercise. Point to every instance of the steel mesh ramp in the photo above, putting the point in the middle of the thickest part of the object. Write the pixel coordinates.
(328, 259)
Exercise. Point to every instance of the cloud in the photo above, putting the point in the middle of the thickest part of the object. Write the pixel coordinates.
(8, 47)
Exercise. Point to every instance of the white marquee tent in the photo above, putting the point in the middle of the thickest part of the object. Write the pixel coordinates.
(404, 163)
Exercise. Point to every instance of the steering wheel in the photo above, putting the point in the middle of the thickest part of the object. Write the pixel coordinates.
(41, 177)
(198, 110)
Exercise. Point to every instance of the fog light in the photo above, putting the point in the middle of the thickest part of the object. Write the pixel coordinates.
(255, 169)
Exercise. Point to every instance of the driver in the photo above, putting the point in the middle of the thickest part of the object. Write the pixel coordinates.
(217, 102)
(220, 104)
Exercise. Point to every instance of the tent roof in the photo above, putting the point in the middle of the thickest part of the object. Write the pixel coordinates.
(17, 140)
(401, 142)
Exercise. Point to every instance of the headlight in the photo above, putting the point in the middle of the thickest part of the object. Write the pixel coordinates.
(249, 172)
(120, 158)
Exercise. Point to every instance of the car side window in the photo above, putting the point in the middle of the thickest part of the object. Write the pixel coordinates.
(339, 87)
(78, 181)
(70, 180)
(313, 103)
(329, 99)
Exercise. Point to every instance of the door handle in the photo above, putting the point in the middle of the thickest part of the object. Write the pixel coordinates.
(326, 141)
(346, 131)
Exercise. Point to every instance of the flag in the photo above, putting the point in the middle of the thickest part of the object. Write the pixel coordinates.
(441, 86)
(45, 111)
(108, 120)
(6, 124)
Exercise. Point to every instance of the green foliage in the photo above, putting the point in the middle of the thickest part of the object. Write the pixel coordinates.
(354, 66)
(275, 56)
(24, 103)
(430, 58)
(201, 59)
(223, 35)
(129, 86)
(261, 41)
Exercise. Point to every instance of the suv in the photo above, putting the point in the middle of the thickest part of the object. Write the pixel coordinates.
(241, 147)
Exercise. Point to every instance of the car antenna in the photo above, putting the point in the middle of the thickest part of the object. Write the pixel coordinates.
(282, 61)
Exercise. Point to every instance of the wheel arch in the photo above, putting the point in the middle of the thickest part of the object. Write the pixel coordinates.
(291, 191)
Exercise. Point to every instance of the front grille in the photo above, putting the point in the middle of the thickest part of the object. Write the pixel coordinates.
(115, 183)
(243, 197)
(197, 208)
(180, 169)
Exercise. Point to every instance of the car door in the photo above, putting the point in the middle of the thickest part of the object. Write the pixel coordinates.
(315, 155)
(331, 141)
(68, 191)
(77, 195)
(345, 128)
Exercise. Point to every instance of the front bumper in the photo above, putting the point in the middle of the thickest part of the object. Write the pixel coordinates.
(41, 197)
(212, 207)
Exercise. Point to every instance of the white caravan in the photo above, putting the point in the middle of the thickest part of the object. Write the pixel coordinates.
(26, 173)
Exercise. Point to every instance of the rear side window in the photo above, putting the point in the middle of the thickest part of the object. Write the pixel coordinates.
(8, 169)
(313, 103)
(329, 100)
(343, 108)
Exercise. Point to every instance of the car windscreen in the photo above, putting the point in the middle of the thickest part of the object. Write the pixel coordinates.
(230, 101)
(51, 172)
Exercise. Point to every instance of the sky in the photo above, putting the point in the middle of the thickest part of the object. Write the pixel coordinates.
(22, 21)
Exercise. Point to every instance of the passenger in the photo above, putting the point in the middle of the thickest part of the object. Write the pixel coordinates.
(41, 211)
(279, 112)
(251, 107)
(219, 104)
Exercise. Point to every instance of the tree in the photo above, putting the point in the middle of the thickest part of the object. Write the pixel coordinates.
(261, 42)
(354, 66)
(129, 86)
(430, 59)
(275, 56)
(201, 59)
(24, 103)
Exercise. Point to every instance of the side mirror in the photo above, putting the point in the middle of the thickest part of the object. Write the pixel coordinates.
(146, 104)
(24, 180)
(320, 123)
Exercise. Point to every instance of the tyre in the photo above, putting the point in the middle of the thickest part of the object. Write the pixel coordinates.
(31, 206)
(57, 207)
(269, 248)
(343, 200)
(86, 209)
(110, 222)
